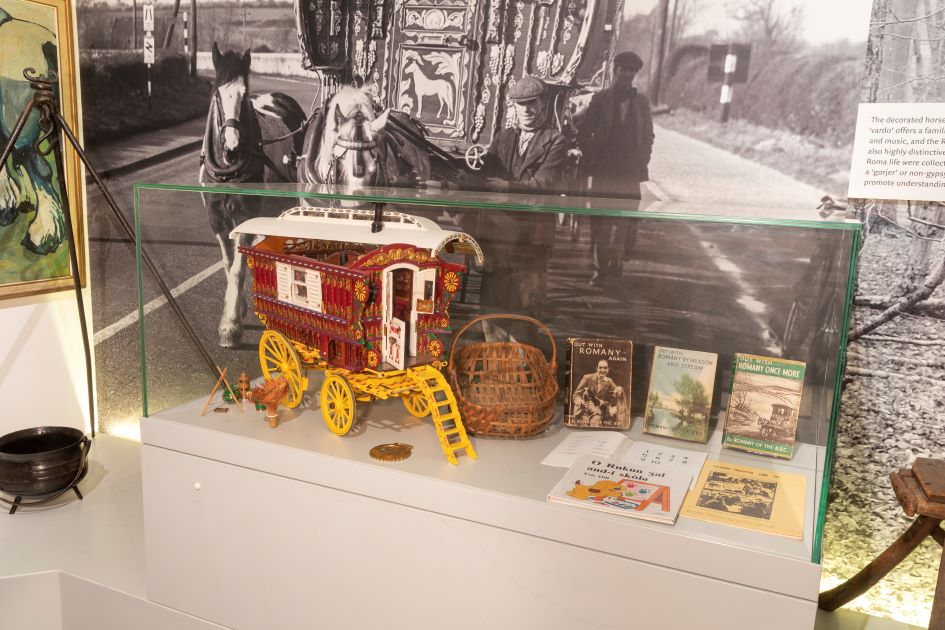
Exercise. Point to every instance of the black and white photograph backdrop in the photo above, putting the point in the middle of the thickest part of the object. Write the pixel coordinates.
(609, 98)
(483, 96)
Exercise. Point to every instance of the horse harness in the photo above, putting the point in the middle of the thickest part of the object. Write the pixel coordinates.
(246, 169)
(360, 143)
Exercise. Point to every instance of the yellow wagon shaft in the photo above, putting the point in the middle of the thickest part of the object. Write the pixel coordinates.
(423, 390)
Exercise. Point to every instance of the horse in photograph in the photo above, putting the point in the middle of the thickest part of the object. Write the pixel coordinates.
(248, 139)
(350, 144)
(28, 179)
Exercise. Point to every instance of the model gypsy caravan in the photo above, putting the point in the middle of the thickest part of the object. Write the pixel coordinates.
(365, 300)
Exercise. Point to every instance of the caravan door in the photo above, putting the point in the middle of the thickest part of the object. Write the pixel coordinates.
(394, 342)
(423, 304)
(397, 295)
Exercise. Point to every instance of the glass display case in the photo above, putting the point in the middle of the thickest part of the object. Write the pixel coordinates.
(718, 280)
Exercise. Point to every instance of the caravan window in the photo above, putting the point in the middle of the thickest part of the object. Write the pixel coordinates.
(299, 290)
(302, 287)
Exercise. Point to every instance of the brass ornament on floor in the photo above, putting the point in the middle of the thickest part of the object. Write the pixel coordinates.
(391, 452)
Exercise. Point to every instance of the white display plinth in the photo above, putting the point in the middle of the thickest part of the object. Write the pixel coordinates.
(253, 527)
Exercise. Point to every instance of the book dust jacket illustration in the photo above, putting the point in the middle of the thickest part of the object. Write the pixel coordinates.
(750, 498)
(764, 404)
(679, 401)
(599, 396)
(609, 485)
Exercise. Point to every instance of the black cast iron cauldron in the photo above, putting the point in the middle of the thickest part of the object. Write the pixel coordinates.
(42, 460)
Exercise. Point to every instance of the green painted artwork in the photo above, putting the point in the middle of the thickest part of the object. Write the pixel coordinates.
(32, 225)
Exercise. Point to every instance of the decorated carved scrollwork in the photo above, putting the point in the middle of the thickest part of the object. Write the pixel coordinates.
(378, 19)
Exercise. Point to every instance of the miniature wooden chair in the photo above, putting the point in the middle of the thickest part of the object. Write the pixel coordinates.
(920, 490)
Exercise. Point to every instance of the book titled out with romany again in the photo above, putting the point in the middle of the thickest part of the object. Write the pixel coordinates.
(609, 485)
(750, 498)
(764, 405)
(599, 392)
(679, 402)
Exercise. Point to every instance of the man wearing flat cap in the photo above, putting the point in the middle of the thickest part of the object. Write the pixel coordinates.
(532, 155)
(616, 135)
(616, 139)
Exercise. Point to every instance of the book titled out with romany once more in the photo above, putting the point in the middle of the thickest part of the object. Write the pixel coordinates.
(609, 485)
(599, 393)
(679, 401)
(751, 498)
(764, 404)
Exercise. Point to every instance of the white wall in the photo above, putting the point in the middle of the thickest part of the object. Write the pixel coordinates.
(58, 601)
(31, 601)
(90, 606)
(42, 366)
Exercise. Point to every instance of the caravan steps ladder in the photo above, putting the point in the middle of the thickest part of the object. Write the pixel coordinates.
(444, 411)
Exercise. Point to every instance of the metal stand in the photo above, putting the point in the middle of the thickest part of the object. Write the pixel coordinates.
(18, 501)
(73, 485)
(52, 123)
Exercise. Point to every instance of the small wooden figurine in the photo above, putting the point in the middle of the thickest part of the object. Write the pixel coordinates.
(242, 384)
(270, 394)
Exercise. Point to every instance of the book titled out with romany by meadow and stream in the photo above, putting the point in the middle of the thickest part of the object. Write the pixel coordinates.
(610, 485)
(680, 398)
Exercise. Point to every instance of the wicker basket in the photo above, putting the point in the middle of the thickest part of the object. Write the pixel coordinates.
(504, 389)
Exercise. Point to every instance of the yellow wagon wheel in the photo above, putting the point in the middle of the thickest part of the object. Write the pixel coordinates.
(417, 404)
(278, 358)
(338, 404)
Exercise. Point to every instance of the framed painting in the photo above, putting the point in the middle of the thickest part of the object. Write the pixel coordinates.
(34, 255)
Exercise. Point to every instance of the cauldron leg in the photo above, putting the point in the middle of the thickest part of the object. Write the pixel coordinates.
(16, 504)
(75, 489)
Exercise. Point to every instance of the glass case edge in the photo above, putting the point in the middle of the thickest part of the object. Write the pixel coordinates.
(141, 347)
(846, 225)
(817, 547)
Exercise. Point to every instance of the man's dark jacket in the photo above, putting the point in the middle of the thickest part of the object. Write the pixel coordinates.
(540, 169)
(616, 153)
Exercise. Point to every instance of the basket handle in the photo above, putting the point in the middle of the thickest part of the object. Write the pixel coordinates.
(524, 318)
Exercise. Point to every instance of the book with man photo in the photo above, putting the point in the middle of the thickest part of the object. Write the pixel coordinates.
(600, 373)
